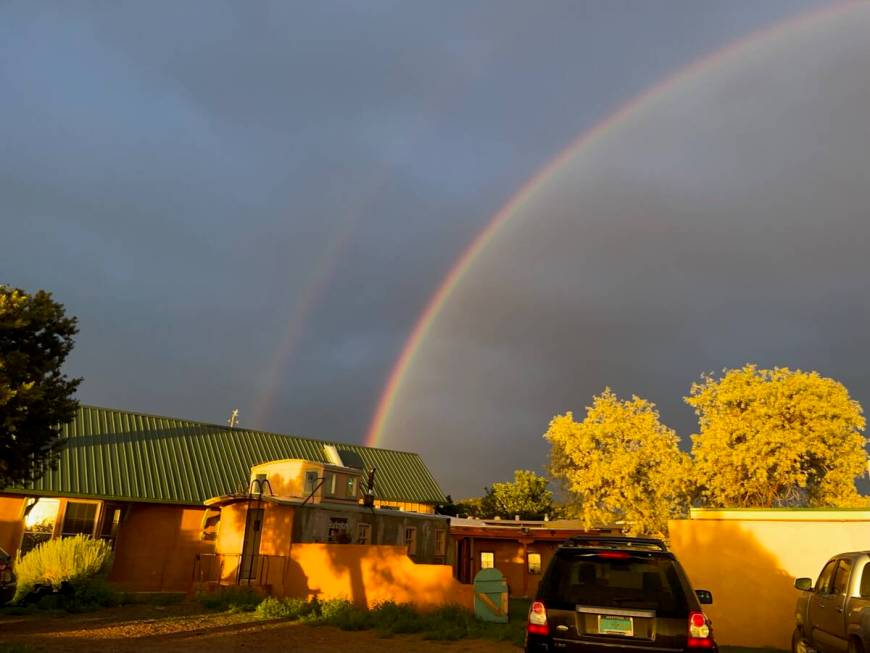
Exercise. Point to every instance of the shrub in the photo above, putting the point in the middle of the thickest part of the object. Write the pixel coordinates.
(449, 622)
(271, 608)
(234, 599)
(75, 564)
(344, 614)
(391, 618)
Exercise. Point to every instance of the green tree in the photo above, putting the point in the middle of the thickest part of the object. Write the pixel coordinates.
(527, 496)
(35, 396)
(620, 464)
(776, 438)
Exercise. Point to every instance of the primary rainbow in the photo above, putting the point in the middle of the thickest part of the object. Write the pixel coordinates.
(528, 190)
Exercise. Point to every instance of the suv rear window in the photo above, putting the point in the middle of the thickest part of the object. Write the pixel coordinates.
(641, 582)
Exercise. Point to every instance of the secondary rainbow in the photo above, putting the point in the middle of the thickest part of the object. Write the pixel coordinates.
(527, 191)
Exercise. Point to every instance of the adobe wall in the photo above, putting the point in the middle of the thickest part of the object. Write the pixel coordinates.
(368, 575)
(750, 560)
(11, 523)
(156, 547)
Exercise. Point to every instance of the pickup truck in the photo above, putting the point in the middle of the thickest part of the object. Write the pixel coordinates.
(833, 615)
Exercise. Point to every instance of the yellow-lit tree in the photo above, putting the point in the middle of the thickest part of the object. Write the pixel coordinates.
(776, 438)
(620, 464)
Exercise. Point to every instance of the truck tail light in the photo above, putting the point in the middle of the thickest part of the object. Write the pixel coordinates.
(700, 635)
(538, 619)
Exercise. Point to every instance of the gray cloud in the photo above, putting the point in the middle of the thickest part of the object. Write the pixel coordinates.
(180, 174)
(726, 223)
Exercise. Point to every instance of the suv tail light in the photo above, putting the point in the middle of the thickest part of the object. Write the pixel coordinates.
(538, 619)
(699, 631)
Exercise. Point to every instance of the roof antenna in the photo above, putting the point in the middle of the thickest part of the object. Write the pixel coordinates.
(233, 421)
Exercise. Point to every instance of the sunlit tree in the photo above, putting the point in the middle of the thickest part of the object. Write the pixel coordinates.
(620, 464)
(527, 496)
(776, 438)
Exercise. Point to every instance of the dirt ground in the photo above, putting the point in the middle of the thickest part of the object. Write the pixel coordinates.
(186, 629)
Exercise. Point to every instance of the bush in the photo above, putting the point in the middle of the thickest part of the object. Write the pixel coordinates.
(75, 566)
(233, 599)
(344, 614)
(391, 618)
(294, 609)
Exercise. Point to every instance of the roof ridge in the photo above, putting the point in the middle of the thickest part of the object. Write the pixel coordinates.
(228, 429)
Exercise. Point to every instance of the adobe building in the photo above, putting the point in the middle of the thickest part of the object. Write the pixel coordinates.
(521, 550)
(144, 483)
(309, 529)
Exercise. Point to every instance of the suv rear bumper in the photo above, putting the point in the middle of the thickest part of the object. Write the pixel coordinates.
(540, 644)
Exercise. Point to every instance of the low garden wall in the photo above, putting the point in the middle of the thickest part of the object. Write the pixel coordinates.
(366, 575)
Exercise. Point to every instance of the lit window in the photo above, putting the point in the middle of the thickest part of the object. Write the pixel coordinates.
(440, 542)
(411, 540)
(534, 563)
(487, 559)
(363, 534)
(78, 518)
(39, 520)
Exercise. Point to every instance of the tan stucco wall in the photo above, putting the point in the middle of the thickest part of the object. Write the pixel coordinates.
(11, 523)
(368, 575)
(156, 547)
(749, 560)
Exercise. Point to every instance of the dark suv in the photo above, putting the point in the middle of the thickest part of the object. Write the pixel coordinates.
(607, 593)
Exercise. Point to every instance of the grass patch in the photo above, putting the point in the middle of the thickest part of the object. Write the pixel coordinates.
(447, 623)
(15, 648)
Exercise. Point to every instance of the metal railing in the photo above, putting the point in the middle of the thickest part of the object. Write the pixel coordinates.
(234, 568)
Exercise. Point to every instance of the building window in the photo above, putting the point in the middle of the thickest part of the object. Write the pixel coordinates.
(310, 483)
(78, 519)
(363, 534)
(40, 516)
(411, 540)
(440, 543)
(351, 487)
(337, 531)
(111, 523)
(534, 563)
(487, 560)
(330, 483)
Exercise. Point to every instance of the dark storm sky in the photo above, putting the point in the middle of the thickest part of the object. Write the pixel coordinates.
(247, 205)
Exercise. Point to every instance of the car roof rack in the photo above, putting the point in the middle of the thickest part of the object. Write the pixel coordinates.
(615, 542)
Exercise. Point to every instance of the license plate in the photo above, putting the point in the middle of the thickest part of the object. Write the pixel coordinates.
(611, 625)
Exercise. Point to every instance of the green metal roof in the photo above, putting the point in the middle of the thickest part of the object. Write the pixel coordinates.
(125, 455)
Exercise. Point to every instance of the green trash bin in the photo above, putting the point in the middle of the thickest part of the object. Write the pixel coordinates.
(491, 596)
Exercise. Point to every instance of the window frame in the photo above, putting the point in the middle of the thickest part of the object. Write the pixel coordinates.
(830, 567)
(864, 588)
(440, 542)
(540, 564)
(25, 531)
(487, 553)
(310, 475)
(363, 533)
(333, 528)
(411, 542)
(97, 520)
(843, 566)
